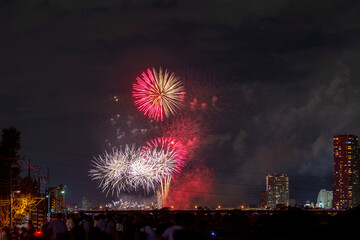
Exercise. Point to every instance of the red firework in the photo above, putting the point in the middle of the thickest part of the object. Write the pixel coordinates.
(168, 144)
(158, 93)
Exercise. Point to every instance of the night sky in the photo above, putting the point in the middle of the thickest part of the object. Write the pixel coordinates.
(287, 73)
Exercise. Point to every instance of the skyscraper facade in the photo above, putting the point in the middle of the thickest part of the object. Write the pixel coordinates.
(85, 203)
(277, 190)
(346, 192)
(57, 198)
(325, 198)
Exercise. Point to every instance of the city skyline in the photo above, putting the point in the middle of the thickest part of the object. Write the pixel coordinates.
(271, 84)
(277, 190)
(273, 181)
(346, 192)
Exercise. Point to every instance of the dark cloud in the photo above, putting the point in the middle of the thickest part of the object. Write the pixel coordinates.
(293, 64)
(297, 139)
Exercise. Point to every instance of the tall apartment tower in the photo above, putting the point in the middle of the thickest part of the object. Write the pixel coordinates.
(325, 198)
(346, 190)
(277, 190)
(57, 196)
(85, 203)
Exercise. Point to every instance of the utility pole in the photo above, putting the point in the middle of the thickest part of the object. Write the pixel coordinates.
(47, 194)
(48, 178)
(13, 165)
(11, 190)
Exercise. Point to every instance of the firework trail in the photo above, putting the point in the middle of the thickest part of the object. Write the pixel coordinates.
(163, 192)
(176, 151)
(158, 93)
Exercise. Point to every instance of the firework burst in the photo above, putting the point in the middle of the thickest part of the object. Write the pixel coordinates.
(158, 93)
(134, 168)
(174, 152)
(161, 162)
(170, 145)
(111, 170)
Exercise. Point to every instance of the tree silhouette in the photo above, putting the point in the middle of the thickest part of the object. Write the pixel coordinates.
(9, 154)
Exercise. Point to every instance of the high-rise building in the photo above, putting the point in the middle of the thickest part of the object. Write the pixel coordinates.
(277, 190)
(57, 198)
(325, 198)
(346, 191)
(85, 204)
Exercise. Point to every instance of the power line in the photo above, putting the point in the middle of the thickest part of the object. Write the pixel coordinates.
(243, 185)
(202, 169)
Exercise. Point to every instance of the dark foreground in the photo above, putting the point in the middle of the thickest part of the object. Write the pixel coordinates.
(235, 224)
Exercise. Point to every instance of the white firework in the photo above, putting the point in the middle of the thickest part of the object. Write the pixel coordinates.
(162, 161)
(132, 169)
(111, 170)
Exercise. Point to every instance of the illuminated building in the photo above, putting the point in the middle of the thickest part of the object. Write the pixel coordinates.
(309, 204)
(85, 204)
(57, 198)
(346, 172)
(277, 190)
(324, 199)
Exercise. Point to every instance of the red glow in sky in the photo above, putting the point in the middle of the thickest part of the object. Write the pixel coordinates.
(192, 187)
(189, 131)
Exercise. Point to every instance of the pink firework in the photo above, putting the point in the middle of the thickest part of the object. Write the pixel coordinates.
(168, 144)
(158, 94)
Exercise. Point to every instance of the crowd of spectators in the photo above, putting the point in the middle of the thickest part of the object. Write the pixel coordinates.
(127, 226)
(174, 225)
(15, 233)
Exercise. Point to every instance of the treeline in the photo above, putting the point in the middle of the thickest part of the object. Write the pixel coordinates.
(18, 195)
